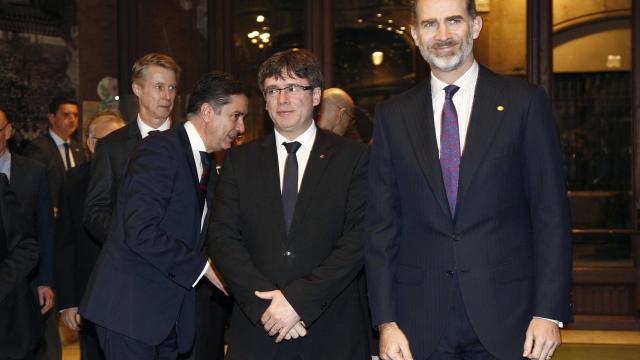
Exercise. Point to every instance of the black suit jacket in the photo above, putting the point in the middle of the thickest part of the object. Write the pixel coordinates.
(76, 251)
(19, 314)
(29, 182)
(315, 266)
(141, 285)
(107, 169)
(44, 150)
(110, 159)
(508, 242)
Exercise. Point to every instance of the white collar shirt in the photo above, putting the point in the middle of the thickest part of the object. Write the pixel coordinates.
(306, 139)
(144, 128)
(60, 145)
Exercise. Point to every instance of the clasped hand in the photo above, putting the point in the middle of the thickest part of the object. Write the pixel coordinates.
(280, 317)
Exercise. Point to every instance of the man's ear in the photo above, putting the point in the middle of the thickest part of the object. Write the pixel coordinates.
(317, 96)
(51, 117)
(137, 89)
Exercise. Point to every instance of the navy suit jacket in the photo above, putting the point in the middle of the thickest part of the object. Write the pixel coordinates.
(76, 252)
(508, 242)
(20, 320)
(29, 182)
(142, 283)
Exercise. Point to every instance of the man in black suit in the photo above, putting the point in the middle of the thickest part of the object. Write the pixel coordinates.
(154, 80)
(468, 248)
(76, 251)
(287, 229)
(28, 180)
(19, 318)
(57, 150)
(140, 294)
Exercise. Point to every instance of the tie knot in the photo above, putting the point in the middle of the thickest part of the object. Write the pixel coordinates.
(66, 145)
(205, 157)
(450, 90)
(292, 147)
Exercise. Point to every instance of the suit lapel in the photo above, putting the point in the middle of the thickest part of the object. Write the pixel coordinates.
(187, 152)
(418, 119)
(57, 157)
(319, 158)
(483, 126)
(271, 183)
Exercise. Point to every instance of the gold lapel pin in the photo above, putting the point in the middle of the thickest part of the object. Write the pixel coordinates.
(500, 108)
(321, 156)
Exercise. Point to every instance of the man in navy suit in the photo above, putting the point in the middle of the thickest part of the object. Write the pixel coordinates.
(76, 251)
(140, 295)
(468, 249)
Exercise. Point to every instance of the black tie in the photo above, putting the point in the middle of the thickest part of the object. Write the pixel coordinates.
(290, 182)
(206, 160)
(67, 156)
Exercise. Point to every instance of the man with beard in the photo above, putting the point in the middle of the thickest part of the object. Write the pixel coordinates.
(468, 249)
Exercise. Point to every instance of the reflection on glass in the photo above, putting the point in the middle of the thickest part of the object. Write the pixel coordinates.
(262, 28)
(374, 53)
(592, 100)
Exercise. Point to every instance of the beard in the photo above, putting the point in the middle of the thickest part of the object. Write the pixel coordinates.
(450, 62)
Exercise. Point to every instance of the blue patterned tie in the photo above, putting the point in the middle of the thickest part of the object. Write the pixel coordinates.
(450, 147)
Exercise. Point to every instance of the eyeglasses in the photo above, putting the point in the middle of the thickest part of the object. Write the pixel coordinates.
(291, 90)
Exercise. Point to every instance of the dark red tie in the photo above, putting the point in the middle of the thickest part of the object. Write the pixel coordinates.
(206, 160)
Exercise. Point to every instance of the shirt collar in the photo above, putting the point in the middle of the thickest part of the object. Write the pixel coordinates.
(306, 139)
(466, 82)
(5, 162)
(144, 128)
(194, 138)
(57, 139)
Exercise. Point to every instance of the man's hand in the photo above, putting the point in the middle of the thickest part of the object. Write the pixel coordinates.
(216, 280)
(280, 317)
(542, 339)
(297, 331)
(71, 318)
(393, 343)
(45, 296)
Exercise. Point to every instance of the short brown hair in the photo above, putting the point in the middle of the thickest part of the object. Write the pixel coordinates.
(471, 9)
(295, 62)
(139, 68)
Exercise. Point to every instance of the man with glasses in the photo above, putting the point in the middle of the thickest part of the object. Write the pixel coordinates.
(287, 229)
(76, 250)
(337, 114)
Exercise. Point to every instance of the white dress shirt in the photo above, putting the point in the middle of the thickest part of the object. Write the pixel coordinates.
(197, 145)
(462, 100)
(60, 145)
(144, 128)
(306, 139)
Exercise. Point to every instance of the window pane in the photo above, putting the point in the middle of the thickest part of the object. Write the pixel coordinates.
(592, 99)
(262, 28)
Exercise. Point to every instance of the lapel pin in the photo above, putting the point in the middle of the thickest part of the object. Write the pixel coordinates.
(321, 156)
(500, 108)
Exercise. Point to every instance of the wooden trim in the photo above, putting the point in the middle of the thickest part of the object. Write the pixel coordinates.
(539, 43)
(635, 126)
(127, 43)
(319, 36)
(220, 35)
(604, 275)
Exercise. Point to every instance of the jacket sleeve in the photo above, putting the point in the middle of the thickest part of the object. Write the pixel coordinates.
(101, 194)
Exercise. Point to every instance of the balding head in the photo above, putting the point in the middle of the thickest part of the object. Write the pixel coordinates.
(5, 132)
(101, 125)
(336, 111)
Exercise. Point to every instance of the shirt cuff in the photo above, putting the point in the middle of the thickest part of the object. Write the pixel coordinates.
(204, 271)
(559, 323)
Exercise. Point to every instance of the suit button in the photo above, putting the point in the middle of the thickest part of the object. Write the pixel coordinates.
(171, 276)
(455, 237)
(450, 273)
